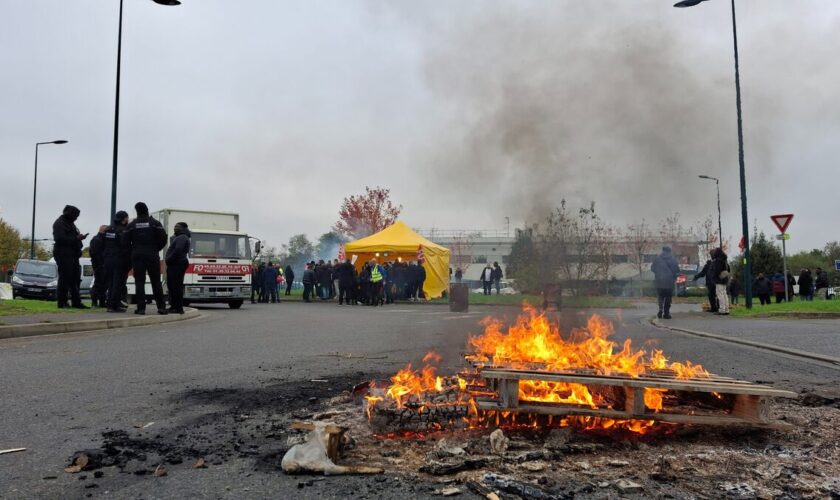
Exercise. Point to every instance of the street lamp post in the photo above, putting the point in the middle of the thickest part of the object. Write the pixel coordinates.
(717, 185)
(34, 195)
(117, 106)
(745, 226)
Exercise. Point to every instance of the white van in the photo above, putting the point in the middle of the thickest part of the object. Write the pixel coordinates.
(87, 277)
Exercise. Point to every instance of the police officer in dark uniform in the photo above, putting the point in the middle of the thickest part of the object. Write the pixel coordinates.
(67, 251)
(97, 260)
(117, 261)
(146, 237)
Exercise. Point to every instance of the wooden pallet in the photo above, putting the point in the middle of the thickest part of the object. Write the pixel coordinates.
(748, 400)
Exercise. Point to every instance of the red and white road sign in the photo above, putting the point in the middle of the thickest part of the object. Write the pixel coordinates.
(782, 221)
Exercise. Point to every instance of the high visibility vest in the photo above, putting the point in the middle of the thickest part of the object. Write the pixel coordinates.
(375, 275)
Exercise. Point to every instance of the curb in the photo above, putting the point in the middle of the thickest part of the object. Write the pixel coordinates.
(36, 329)
(761, 345)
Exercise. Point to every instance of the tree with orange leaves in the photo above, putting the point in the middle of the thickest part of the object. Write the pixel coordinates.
(366, 214)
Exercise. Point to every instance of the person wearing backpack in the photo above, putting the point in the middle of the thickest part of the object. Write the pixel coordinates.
(719, 273)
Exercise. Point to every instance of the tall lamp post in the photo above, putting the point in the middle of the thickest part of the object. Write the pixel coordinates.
(35, 194)
(745, 227)
(117, 106)
(717, 185)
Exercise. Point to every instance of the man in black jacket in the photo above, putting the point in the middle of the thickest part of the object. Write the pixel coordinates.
(710, 285)
(821, 283)
(718, 273)
(117, 261)
(346, 274)
(420, 280)
(762, 287)
(176, 266)
(308, 282)
(67, 250)
(497, 277)
(290, 278)
(97, 261)
(146, 237)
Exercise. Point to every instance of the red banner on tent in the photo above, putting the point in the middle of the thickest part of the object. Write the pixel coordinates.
(341, 255)
(421, 258)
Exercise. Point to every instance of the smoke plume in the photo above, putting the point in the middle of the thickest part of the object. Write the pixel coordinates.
(572, 100)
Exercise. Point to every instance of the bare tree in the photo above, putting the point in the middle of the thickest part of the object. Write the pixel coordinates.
(461, 251)
(639, 243)
(604, 248)
(707, 234)
(671, 231)
(574, 246)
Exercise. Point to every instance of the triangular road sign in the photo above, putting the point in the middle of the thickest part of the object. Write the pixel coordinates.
(782, 221)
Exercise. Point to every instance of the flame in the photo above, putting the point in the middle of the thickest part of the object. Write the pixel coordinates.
(653, 398)
(534, 342)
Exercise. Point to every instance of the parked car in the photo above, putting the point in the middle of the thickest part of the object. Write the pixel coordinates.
(35, 279)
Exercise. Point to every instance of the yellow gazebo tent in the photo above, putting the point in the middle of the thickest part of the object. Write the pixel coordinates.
(398, 241)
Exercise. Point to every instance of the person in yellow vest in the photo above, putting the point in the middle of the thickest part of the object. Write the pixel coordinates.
(377, 275)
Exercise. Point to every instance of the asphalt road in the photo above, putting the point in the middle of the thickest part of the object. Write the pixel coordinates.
(814, 335)
(59, 393)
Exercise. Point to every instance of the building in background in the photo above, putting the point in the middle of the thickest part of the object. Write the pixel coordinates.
(472, 249)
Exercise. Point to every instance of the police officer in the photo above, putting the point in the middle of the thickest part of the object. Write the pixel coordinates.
(117, 261)
(67, 250)
(146, 237)
(176, 266)
(97, 260)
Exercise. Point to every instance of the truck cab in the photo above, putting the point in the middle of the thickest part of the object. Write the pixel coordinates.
(220, 268)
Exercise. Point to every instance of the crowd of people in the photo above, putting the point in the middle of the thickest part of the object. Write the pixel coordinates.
(724, 289)
(810, 285)
(115, 250)
(375, 284)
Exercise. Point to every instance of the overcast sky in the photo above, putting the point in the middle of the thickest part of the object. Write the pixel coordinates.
(469, 111)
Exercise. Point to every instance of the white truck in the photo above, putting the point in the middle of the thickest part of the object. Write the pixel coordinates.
(220, 257)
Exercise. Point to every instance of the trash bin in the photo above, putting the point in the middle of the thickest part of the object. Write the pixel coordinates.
(459, 297)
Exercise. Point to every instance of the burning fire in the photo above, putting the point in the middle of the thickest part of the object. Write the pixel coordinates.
(533, 342)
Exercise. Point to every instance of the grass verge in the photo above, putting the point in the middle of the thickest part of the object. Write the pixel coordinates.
(829, 308)
(25, 307)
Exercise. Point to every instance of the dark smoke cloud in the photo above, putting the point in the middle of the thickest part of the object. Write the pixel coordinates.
(585, 101)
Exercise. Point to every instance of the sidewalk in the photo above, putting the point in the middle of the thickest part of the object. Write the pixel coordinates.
(54, 323)
(818, 336)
